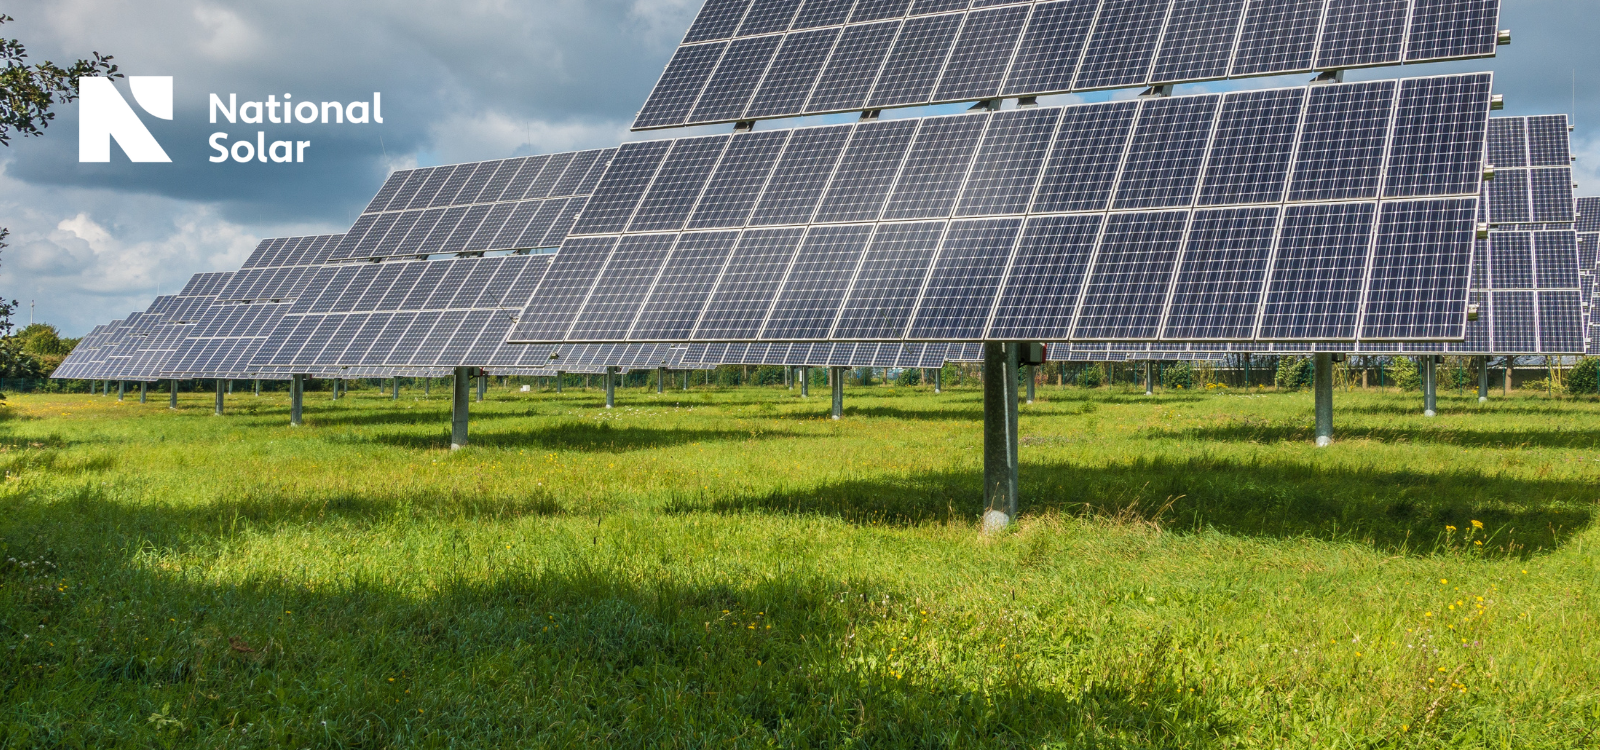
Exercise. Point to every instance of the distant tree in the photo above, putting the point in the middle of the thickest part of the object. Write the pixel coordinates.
(1293, 372)
(1584, 379)
(30, 93)
(41, 339)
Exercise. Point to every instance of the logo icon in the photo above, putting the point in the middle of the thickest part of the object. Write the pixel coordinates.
(103, 115)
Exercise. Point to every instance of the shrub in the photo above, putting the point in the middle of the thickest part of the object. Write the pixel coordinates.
(909, 376)
(1092, 376)
(1581, 380)
(1178, 375)
(1293, 372)
(1403, 372)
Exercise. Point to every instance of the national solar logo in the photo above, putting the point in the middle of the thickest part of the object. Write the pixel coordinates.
(104, 115)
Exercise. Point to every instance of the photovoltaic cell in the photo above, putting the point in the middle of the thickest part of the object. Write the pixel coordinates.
(1220, 279)
(683, 285)
(1002, 180)
(961, 286)
(1253, 145)
(887, 284)
(1167, 150)
(801, 175)
(677, 187)
(1315, 282)
(861, 184)
(793, 73)
(1342, 142)
(1438, 133)
(618, 293)
(1198, 42)
(1047, 57)
(1128, 280)
(853, 67)
(680, 85)
(1279, 36)
(1419, 264)
(732, 191)
(733, 84)
(1041, 290)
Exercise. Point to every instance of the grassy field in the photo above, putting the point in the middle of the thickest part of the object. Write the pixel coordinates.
(729, 568)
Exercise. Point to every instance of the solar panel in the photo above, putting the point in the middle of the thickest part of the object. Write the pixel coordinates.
(860, 258)
(1533, 171)
(490, 205)
(398, 314)
(753, 60)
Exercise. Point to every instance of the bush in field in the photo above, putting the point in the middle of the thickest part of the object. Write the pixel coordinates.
(1293, 372)
(1178, 375)
(1092, 376)
(909, 376)
(1581, 379)
(1403, 372)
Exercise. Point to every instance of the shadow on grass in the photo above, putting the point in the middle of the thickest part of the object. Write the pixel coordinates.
(577, 436)
(577, 649)
(1399, 511)
(1464, 436)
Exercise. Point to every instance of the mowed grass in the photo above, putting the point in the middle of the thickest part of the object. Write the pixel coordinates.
(728, 568)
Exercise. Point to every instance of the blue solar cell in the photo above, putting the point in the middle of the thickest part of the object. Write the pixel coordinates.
(961, 287)
(1198, 42)
(853, 67)
(793, 73)
(731, 193)
(1342, 142)
(1250, 152)
(555, 168)
(916, 61)
(1510, 200)
(801, 175)
(1047, 58)
(818, 280)
(1130, 275)
(381, 200)
(717, 20)
(1508, 142)
(1314, 288)
(622, 287)
(935, 168)
(624, 184)
(565, 288)
(1452, 28)
(1557, 255)
(1512, 313)
(887, 284)
(678, 184)
(1362, 32)
(1561, 322)
(680, 85)
(767, 16)
(1222, 274)
(563, 223)
(982, 54)
(1006, 170)
(435, 181)
(1552, 194)
(1166, 152)
(875, 10)
(1123, 43)
(745, 292)
(733, 84)
(920, 7)
(1548, 142)
(861, 184)
(576, 174)
(1438, 141)
(1419, 270)
(685, 282)
(1279, 36)
(1082, 167)
(816, 13)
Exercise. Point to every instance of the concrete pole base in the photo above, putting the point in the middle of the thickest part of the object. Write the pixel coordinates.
(461, 386)
(1483, 399)
(1429, 413)
(1323, 441)
(994, 521)
(999, 434)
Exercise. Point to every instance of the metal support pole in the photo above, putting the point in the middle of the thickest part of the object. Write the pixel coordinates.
(1322, 383)
(999, 435)
(483, 385)
(560, 376)
(1430, 389)
(1149, 384)
(938, 380)
(836, 379)
(427, 387)
(661, 380)
(1483, 380)
(297, 400)
(258, 387)
(220, 393)
(144, 392)
(172, 402)
(805, 382)
(394, 385)
(122, 389)
(611, 387)
(458, 407)
(788, 378)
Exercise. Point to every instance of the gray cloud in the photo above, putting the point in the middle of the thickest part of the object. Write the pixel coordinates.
(466, 80)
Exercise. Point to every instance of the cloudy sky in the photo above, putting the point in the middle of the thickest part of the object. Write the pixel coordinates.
(460, 81)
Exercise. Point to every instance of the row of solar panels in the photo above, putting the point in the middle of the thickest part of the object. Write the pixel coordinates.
(1393, 139)
(755, 59)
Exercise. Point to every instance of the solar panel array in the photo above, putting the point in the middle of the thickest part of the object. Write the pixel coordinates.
(1335, 211)
(1532, 162)
(822, 355)
(756, 59)
(88, 358)
(508, 204)
(435, 313)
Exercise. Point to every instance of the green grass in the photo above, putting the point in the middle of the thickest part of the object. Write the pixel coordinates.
(730, 569)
